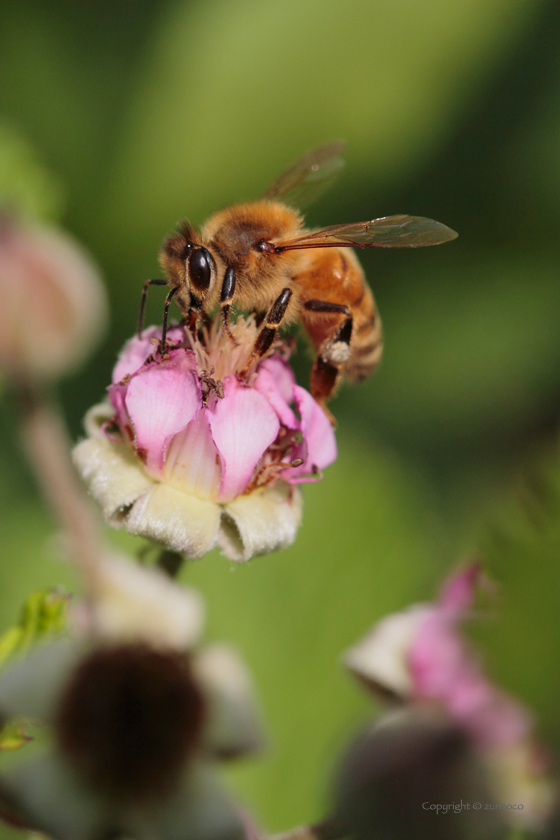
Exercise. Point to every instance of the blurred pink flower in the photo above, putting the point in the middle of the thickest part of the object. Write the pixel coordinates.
(216, 456)
(419, 656)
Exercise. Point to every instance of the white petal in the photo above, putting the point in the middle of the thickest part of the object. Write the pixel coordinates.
(517, 774)
(260, 522)
(135, 603)
(56, 803)
(176, 519)
(113, 475)
(198, 809)
(96, 417)
(234, 720)
(31, 686)
(381, 658)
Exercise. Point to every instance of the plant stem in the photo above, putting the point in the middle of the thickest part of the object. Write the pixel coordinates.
(47, 445)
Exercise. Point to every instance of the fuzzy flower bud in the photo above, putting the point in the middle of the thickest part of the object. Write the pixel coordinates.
(53, 302)
(419, 656)
(193, 451)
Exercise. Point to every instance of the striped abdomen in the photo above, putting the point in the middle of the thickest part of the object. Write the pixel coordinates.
(335, 275)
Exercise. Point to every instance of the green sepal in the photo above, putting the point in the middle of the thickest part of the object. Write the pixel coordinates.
(43, 615)
(13, 736)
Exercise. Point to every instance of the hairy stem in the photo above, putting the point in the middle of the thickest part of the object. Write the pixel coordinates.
(47, 445)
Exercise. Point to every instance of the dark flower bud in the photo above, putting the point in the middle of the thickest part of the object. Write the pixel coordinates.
(397, 773)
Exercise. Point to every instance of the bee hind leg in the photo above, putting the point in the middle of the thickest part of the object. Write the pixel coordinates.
(334, 353)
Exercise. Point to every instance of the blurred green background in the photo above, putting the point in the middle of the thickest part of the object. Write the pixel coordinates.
(121, 117)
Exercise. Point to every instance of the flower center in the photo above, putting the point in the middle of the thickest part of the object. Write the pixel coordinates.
(129, 719)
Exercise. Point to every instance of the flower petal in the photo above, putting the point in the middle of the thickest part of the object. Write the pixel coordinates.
(459, 591)
(192, 463)
(56, 802)
(113, 476)
(176, 519)
(234, 724)
(260, 522)
(136, 603)
(243, 426)
(31, 687)
(134, 354)
(197, 809)
(275, 381)
(139, 348)
(161, 400)
(381, 658)
(96, 417)
(318, 435)
(443, 668)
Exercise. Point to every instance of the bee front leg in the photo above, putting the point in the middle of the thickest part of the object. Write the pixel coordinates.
(272, 322)
(163, 342)
(147, 285)
(325, 372)
(226, 299)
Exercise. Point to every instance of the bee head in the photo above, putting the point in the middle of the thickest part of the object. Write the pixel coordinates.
(189, 266)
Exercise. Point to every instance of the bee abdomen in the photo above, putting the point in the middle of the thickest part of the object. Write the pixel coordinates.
(366, 346)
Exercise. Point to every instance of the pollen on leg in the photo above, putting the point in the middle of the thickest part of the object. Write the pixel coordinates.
(337, 353)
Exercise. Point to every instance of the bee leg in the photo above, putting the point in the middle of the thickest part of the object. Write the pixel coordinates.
(226, 299)
(163, 342)
(268, 333)
(325, 372)
(147, 285)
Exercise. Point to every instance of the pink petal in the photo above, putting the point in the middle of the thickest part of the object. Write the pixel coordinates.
(117, 395)
(458, 592)
(275, 381)
(161, 400)
(282, 374)
(192, 461)
(319, 448)
(137, 350)
(444, 668)
(243, 426)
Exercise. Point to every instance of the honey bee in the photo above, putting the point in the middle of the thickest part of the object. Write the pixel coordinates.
(260, 257)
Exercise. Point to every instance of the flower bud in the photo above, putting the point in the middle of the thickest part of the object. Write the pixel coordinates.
(53, 302)
(414, 775)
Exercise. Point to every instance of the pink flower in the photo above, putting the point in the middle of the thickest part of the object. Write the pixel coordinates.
(191, 452)
(420, 656)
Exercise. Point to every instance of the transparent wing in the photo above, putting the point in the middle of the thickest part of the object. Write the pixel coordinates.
(388, 232)
(310, 176)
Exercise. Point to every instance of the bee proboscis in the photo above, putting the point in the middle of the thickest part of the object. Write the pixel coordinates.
(260, 257)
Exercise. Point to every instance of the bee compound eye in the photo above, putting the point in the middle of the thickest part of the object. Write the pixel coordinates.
(199, 269)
